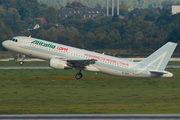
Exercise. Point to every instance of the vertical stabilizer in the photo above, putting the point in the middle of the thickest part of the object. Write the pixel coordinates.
(160, 58)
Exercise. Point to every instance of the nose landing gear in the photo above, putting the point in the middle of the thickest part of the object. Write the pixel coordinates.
(22, 62)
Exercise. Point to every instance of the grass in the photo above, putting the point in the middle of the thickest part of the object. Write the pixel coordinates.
(174, 63)
(57, 92)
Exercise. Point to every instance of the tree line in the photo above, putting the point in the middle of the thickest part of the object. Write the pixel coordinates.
(140, 30)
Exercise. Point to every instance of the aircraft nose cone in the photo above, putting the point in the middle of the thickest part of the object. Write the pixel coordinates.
(5, 44)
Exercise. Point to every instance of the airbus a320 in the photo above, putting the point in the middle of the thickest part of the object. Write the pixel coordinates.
(62, 56)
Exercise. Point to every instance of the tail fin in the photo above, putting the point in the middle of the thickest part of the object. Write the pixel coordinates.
(160, 58)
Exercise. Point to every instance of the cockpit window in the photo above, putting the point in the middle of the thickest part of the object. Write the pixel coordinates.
(15, 40)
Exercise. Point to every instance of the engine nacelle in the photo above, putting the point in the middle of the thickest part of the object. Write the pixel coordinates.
(57, 64)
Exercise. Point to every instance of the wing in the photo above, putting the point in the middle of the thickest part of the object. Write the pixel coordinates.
(82, 63)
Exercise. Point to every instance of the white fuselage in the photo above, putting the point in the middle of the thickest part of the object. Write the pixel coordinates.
(104, 64)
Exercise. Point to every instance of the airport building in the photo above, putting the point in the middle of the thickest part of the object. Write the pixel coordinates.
(84, 12)
(175, 9)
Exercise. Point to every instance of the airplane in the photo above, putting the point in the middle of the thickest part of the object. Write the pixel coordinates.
(62, 56)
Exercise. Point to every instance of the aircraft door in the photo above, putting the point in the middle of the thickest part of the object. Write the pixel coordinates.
(136, 69)
(25, 43)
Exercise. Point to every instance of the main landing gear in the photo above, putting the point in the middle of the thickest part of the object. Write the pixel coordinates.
(79, 75)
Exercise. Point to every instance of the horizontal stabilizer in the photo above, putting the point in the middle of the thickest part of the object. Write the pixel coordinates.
(157, 72)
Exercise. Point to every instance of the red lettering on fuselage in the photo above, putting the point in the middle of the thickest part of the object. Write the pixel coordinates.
(62, 48)
(105, 59)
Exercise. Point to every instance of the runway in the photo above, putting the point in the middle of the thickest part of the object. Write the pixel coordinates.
(173, 66)
(91, 117)
(46, 67)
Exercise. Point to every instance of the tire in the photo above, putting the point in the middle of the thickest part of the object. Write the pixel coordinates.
(21, 62)
(78, 76)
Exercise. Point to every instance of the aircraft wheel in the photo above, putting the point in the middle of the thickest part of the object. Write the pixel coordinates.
(21, 62)
(78, 76)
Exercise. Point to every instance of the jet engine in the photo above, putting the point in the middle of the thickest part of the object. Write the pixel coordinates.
(57, 63)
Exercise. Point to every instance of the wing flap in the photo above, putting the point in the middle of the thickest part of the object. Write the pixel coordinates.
(80, 63)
